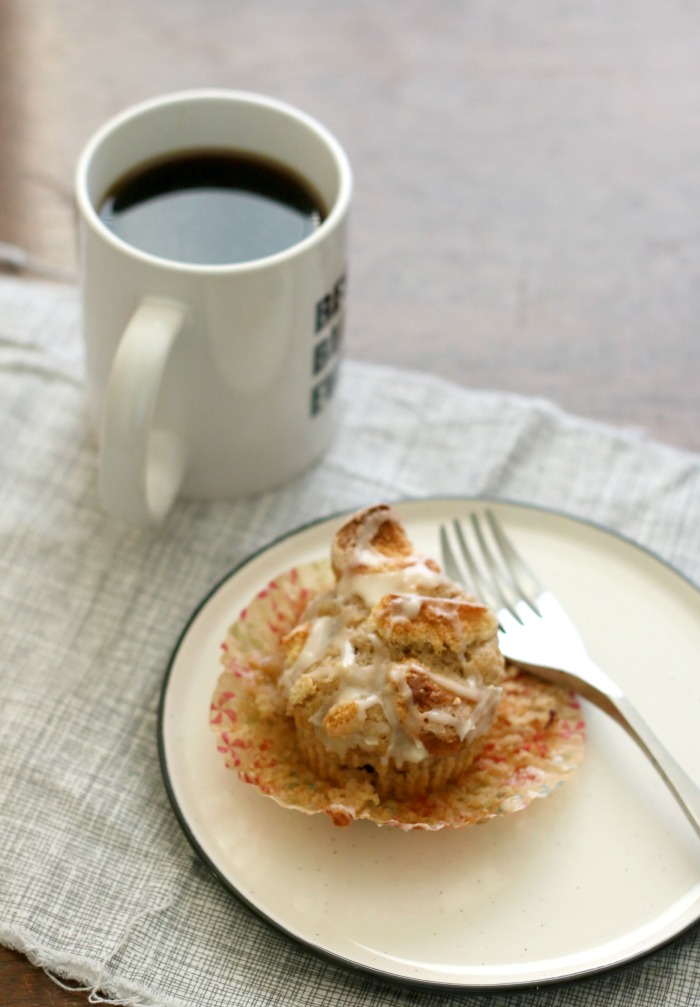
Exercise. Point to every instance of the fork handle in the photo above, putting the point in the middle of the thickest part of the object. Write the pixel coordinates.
(613, 702)
(608, 697)
(685, 790)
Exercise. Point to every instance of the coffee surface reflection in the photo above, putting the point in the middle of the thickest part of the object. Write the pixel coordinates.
(211, 208)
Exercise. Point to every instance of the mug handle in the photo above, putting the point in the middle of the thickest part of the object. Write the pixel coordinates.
(141, 468)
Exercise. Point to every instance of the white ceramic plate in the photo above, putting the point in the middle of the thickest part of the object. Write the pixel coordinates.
(604, 870)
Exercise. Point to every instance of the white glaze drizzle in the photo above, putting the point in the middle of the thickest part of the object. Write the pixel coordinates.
(414, 578)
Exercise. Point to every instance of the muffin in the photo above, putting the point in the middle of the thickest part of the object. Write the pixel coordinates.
(393, 676)
(352, 686)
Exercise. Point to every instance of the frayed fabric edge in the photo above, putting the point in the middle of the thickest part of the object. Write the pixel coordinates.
(83, 975)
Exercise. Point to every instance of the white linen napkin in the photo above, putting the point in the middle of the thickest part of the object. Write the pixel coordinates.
(97, 882)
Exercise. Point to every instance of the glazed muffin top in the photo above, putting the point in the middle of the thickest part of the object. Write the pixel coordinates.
(396, 663)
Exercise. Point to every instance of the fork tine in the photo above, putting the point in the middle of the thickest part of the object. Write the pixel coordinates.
(479, 574)
(483, 588)
(518, 570)
(452, 568)
(455, 569)
(500, 583)
(498, 575)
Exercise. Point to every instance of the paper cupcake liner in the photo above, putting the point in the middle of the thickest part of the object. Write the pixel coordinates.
(535, 743)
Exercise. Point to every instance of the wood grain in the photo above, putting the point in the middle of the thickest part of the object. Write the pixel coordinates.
(24, 985)
(527, 182)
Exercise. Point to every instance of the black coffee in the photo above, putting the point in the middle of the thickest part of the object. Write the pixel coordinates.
(211, 208)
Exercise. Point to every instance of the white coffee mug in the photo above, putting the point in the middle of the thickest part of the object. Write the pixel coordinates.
(210, 380)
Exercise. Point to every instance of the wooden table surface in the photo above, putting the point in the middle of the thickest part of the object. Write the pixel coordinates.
(527, 182)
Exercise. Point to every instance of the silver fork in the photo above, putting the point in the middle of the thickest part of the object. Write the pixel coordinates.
(538, 635)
